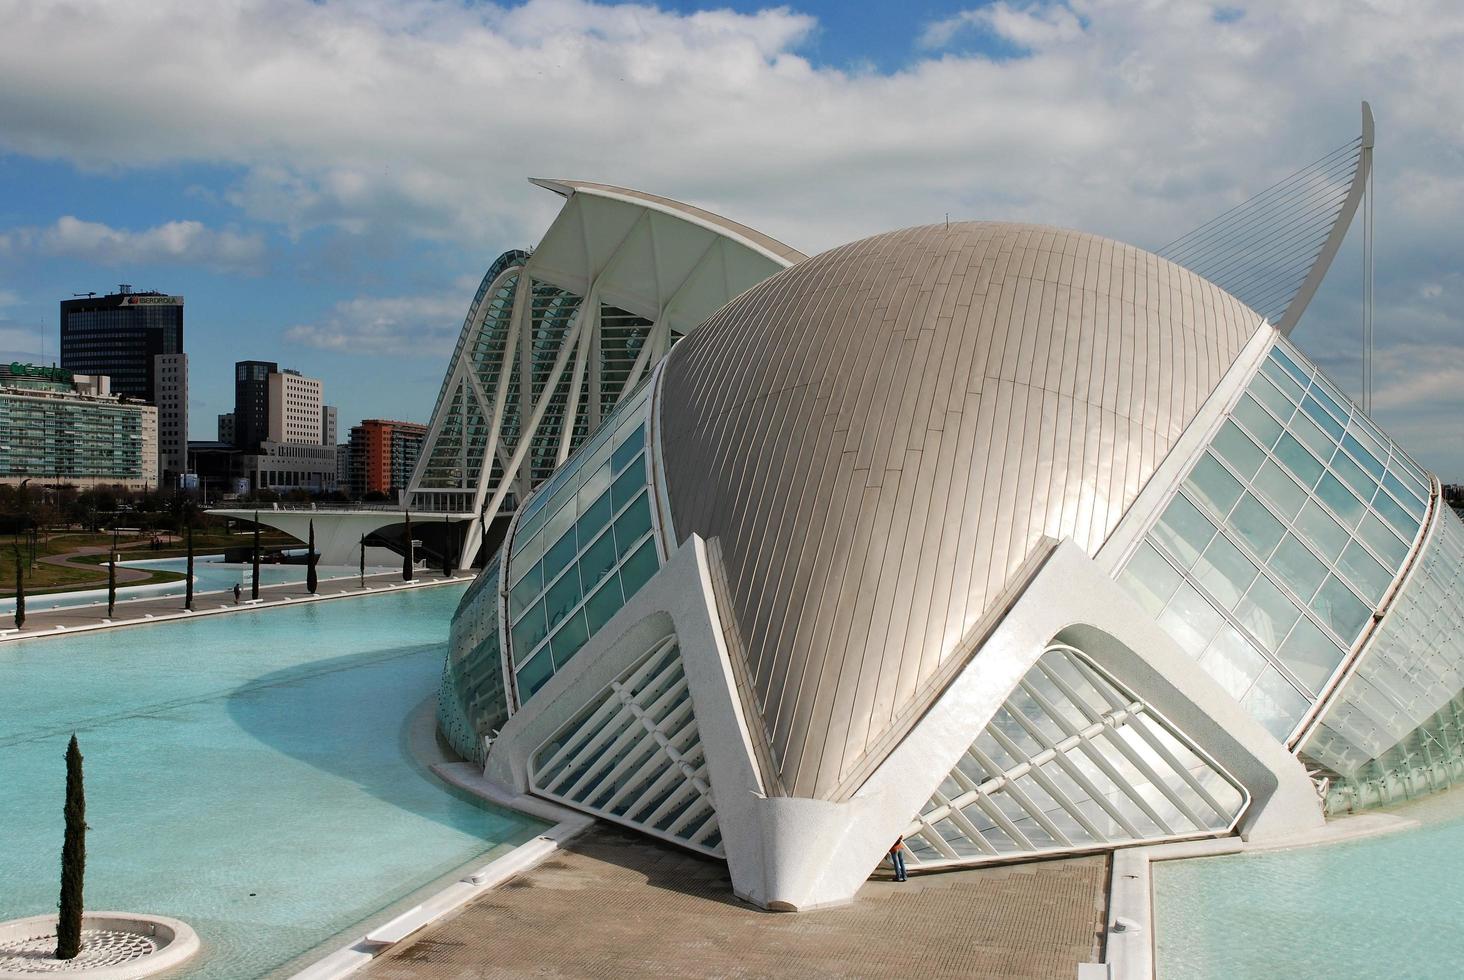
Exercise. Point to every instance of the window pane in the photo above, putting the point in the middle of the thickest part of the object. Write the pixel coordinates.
(1257, 422)
(1396, 515)
(1354, 476)
(1225, 572)
(630, 483)
(1212, 484)
(595, 516)
(598, 560)
(1237, 449)
(1405, 494)
(1331, 398)
(633, 524)
(1359, 430)
(1296, 370)
(1275, 703)
(639, 568)
(1312, 437)
(571, 636)
(1340, 499)
(626, 451)
(1257, 526)
(525, 555)
(525, 592)
(1190, 619)
(1319, 415)
(1367, 460)
(1281, 490)
(1184, 530)
(603, 604)
(1282, 379)
(1319, 530)
(1297, 567)
(1340, 609)
(559, 554)
(1150, 578)
(1233, 661)
(595, 484)
(1301, 463)
(1310, 654)
(562, 596)
(1370, 578)
(1267, 395)
(1267, 613)
(528, 632)
(1383, 540)
(534, 674)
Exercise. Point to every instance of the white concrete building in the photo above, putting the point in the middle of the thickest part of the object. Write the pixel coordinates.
(296, 415)
(171, 374)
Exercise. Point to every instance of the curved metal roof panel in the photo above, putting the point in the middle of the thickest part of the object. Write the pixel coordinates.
(881, 435)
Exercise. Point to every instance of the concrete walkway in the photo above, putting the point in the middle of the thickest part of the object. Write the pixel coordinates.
(616, 904)
(138, 612)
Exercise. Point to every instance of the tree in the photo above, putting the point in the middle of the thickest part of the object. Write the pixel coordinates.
(19, 591)
(446, 547)
(254, 579)
(188, 593)
(112, 576)
(311, 583)
(363, 561)
(407, 552)
(73, 859)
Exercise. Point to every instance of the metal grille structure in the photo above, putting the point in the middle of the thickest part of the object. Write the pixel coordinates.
(634, 756)
(1072, 762)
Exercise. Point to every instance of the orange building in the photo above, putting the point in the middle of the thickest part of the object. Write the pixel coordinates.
(383, 453)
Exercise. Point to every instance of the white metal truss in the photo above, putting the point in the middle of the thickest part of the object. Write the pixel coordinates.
(553, 340)
(1072, 762)
(634, 755)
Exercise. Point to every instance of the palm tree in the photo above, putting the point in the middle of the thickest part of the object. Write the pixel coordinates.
(310, 581)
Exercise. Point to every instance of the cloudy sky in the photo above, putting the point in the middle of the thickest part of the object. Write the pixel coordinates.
(325, 182)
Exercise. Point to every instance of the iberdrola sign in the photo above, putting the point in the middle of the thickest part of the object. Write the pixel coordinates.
(20, 370)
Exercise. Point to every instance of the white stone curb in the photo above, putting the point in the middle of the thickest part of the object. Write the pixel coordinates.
(178, 943)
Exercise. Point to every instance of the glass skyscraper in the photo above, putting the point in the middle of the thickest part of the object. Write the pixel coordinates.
(119, 335)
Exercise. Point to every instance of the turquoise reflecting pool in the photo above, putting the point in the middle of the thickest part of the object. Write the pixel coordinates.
(1388, 906)
(247, 773)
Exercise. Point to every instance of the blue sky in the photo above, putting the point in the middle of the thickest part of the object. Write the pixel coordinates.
(326, 182)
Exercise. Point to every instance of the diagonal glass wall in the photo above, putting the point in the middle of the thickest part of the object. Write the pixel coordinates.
(1283, 541)
(472, 701)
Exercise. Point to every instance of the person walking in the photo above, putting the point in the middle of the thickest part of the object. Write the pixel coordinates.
(897, 858)
(237, 592)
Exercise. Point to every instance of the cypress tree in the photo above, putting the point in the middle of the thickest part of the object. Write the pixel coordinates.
(310, 580)
(363, 561)
(73, 859)
(188, 593)
(112, 577)
(254, 580)
(407, 552)
(446, 547)
(19, 593)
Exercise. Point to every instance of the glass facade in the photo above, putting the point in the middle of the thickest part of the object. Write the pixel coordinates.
(1282, 541)
(119, 335)
(473, 700)
(51, 434)
(584, 544)
(1072, 761)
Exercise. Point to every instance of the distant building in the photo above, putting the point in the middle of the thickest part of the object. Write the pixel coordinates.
(57, 428)
(170, 372)
(328, 429)
(295, 409)
(120, 335)
(383, 454)
(343, 466)
(226, 428)
(251, 402)
(290, 466)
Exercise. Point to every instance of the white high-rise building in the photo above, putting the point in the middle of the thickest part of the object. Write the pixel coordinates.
(170, 373)
(295, 409)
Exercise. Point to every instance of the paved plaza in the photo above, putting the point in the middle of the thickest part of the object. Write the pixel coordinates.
(615, 904)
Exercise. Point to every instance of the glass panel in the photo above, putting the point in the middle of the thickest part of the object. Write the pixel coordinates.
(1267, 613)
(598, 559)
(1267, 395)
(1303, 464)
(1331, 396)
(1297, 567)
(1275, 703)
(1312, 436)
(1363, 457)
(595, 516)
(1319, 415)
(1340, 609)
(1184, 530)
(639, 568)
(627, 449)
(1225, 572)
(559, 522)
(525, 556)
(1237, 449)
(1150, 578)
(1354, 476)
(604, 604)
(1212, 484)
(534, 674)
(1382, 540)
(1233, 661)
(1257, 421)
(1281, 490)
(1340, 499)
(629, 483)
(595, 484)
(1256, 525)
(523, 593)
(632, 524)
(528, 631)
(562, 596)
(1295, 370)
(1405, 494)
(1190, 619)
(1320, 531)
(1310, 654)
(1370, 578)
(571, 636)
(1396, 515)
(1282, 379)
(560, 554)
(1357, 430)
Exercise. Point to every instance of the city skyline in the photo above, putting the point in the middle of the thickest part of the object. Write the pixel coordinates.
(345, 235)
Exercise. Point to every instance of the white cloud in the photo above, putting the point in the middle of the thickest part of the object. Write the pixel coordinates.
(395, 326)
(172, 243)
(1026, 26)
